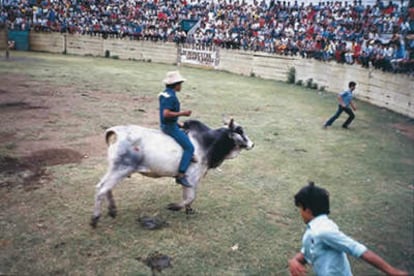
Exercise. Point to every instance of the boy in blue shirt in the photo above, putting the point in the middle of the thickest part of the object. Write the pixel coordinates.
(169, 114)
(324, 246)
(345, 102)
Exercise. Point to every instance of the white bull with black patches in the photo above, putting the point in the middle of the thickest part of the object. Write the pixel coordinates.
(152, 153)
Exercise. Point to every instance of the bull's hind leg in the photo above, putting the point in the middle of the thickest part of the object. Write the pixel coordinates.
(111, 204)
(104, 188)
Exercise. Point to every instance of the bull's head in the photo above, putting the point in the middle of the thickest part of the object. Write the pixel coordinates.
(238, 135)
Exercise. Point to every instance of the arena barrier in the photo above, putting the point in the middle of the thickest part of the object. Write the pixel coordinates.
(391, 91)
(19, 40)
(3, 39)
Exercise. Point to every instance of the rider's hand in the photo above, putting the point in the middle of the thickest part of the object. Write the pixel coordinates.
(186, 113)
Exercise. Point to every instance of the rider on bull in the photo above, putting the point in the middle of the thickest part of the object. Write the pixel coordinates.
(169, 114)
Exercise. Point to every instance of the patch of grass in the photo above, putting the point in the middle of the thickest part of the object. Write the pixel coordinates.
(248, 202)
(10, 146)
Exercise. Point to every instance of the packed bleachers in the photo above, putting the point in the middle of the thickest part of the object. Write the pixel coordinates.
(381, 36)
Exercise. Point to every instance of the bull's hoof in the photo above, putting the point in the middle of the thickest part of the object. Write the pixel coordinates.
(174, 207)
(112, 212)
(94, 221)
(189, 211)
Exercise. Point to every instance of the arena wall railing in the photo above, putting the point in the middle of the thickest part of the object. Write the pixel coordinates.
(3, 39)
(391, 91)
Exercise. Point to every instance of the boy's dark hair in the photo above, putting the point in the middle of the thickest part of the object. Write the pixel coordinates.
(351, 84)
(314, 198)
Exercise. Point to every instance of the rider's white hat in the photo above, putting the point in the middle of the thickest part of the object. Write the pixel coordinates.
(173, 77)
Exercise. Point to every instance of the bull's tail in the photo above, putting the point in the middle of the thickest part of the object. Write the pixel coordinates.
(110, 137)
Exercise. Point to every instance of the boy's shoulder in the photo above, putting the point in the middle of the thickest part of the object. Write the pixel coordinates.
(323, 224)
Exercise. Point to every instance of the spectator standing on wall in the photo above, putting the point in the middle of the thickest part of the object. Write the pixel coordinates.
(349, 53)
(399, 55)
(345, 104)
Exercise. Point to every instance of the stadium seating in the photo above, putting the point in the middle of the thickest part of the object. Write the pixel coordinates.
(347, 33)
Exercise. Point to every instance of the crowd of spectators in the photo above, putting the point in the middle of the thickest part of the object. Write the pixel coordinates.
(381, 35)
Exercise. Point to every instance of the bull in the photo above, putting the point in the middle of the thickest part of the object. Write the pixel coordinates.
(152, 153)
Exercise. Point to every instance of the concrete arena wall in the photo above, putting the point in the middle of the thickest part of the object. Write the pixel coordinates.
(123, 49)
(3, 39)
(391, 91)
(158, 52)
(84, 45)
(47, 42)
(97, 46)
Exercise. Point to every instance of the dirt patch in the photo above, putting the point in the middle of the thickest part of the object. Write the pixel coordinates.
(30, 172)
(12, 58)
(53, 157)
(42, 122)
(406, 129)
(13, 106)
(156, 261)
(6, 137)
(152, 223)
(37, 115)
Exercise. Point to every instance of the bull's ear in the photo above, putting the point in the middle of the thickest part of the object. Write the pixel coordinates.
(231, 123)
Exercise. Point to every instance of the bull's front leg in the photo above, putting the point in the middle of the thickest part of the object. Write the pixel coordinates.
(189, 195)
(188, 198)
(194, 175)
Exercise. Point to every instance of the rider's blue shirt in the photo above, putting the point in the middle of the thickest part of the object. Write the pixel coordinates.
(168, 100)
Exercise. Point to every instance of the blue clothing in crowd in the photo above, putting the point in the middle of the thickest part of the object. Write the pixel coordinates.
(400, 52)
(325, 248)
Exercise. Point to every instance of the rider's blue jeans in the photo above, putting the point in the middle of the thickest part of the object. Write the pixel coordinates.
(175, 132)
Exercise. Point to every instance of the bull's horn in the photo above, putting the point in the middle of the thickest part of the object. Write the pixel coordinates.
(231, 123)
(226, 119)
